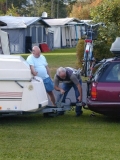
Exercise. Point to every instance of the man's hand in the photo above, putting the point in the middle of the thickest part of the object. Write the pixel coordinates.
(57, 88)
(62, 91)
(80, 99)
(35, 73)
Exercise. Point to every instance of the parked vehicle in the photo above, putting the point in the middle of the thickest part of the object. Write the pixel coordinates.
(103, 88)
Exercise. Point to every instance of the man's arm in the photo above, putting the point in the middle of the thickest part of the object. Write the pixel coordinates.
(75, 80)
(31, 64)
(57, 88)
(48, 71)
(56, 85)
(80, 91)
(33, 71)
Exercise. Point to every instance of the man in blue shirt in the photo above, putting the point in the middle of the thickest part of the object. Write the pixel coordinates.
(39, 67)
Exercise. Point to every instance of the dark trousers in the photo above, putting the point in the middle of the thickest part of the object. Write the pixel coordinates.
(66, 87)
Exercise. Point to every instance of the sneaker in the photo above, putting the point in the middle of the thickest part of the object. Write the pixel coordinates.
(78, 115)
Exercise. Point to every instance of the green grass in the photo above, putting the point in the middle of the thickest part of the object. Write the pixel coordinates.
(66, 50)
(60, 59)
(59, 138)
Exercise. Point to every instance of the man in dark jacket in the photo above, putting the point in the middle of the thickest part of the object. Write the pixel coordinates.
(69, 77)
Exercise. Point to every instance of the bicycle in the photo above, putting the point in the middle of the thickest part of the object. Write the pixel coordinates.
(89, 59)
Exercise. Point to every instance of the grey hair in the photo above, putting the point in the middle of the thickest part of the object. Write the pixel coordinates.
(60, 69)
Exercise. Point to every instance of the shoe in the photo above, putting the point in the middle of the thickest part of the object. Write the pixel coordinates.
(59, 113)
(78, 115)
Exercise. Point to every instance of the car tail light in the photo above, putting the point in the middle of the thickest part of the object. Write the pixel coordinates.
(94, 91)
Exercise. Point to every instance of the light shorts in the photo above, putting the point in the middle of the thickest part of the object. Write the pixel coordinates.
(49, 86)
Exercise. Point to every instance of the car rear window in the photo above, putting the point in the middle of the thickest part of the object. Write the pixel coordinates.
(111, 73)
(100, 71)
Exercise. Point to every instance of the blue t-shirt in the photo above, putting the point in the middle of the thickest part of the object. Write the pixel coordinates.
(39, 64)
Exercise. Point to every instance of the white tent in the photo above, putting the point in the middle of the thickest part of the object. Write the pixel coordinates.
(67, 31)
(4, 43)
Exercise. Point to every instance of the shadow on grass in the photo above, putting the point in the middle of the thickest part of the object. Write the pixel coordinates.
(66, 119)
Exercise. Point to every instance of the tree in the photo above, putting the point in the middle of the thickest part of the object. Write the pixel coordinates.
(70, 4)
(7, 4)
(12, 11)
(2, 7)
(54, 8)
(108, 13)
(82, 8)
(16, 3)
(81, 12)
(61, 11)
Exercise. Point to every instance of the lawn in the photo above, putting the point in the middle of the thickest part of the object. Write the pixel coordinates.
(65, 137)
(57, 59)
(60, 138)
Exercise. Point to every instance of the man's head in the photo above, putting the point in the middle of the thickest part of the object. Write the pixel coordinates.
(61, 72)
(36, 51)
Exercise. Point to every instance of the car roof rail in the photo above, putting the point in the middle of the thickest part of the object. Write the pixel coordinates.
(116, 57)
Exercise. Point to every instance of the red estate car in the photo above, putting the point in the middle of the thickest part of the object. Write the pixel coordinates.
(103, 94)
(103, 88)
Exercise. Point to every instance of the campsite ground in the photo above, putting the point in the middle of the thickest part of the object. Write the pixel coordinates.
(60, 138)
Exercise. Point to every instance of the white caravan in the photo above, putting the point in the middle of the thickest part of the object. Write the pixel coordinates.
(19, 90)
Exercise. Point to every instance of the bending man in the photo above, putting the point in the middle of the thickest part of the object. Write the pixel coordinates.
(70, 78)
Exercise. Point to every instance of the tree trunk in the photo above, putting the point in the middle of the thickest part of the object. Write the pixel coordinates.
(52, 8)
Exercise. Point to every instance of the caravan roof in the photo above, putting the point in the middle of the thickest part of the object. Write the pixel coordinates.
(61, 21)
(20, 22)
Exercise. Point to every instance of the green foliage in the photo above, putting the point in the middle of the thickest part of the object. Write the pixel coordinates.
(80, 52)
(1, 13)
(12, 11)
(101, 50)
(85, 13)
(2, 7)
(108, 13)
(70, 6)
(16, 3)
(2, 1)
(81, 9)
(54, 8)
